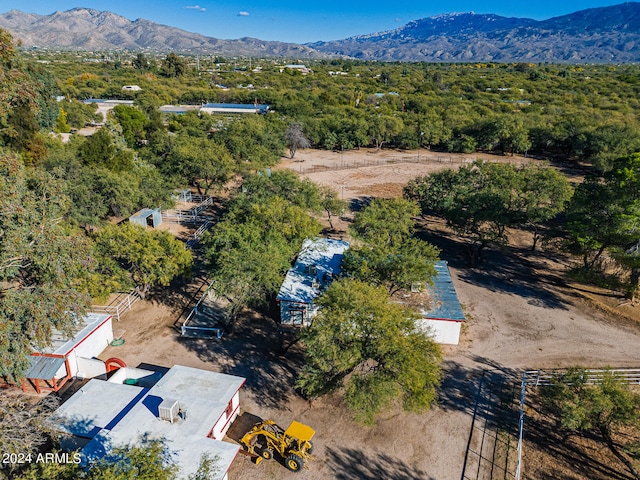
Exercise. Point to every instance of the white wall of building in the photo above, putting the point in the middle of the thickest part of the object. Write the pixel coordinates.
(92, 345)
(90, 368)
(225, 421)
(443, 331)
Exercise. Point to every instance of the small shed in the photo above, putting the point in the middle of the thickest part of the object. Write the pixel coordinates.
(65, 358)
(190, 409)
(444, 319)
(318, 263)
(147, 217)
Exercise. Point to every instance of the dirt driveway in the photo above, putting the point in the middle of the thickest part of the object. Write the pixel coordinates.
(522, 313)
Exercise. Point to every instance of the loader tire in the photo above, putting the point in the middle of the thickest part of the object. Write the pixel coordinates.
(266, 453)
(294, 463)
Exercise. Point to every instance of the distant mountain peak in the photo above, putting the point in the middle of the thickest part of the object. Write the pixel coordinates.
(451, 15)
(605, 34)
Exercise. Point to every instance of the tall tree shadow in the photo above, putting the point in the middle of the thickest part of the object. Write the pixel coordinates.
(354, 464)
(251, 350)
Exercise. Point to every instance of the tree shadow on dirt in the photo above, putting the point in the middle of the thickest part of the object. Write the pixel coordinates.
(251, 351)
(512, 270)
(485, 393)
(351, 463)
(567, 457)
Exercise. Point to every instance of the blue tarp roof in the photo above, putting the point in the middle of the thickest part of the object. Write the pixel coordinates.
(446, 303)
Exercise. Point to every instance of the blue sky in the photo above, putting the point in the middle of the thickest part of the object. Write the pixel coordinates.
(301, 21)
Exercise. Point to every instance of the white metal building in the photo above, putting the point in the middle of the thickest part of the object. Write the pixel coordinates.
(234, 108)
(188, 408)
(444, 319)
(317, 264)
(66, 358)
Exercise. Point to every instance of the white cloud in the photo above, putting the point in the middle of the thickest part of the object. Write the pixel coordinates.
(196, 7)
(243, 14)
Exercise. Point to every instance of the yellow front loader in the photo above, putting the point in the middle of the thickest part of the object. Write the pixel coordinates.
(293, 444)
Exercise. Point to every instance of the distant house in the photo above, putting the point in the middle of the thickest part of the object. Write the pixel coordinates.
(234, 108)
(131, 88)
(317, 264)
(50, 368)
(188, 408)
(297, 67)
(445, 317)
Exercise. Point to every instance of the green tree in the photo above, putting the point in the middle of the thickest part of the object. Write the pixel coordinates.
(389, 255)
(362, 342)
(40, 262)
(608, 408)
(18, 97)
(433, 130)
(141, 62)
(331, 204)
(604, 211)
(152, 257)
(173, 66)
(543, 193)
(61, 124)
(383, 128)
(80, 114)
(200, 162)
(132, 121)
(478, 201)
(386, 221)
(251, 250)
(396, 268)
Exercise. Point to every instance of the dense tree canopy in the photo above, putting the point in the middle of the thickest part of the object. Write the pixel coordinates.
(481, 200)
(152, 257)
(41, 262)
(370, 346)
(251, 249)
(388, 255)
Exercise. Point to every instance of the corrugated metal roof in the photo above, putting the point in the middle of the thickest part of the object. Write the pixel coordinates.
(61, 344)
(247, 106)
(443, 292)
(43, 368)
(318, 262)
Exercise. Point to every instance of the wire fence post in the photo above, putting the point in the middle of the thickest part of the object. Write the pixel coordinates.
(521, 424)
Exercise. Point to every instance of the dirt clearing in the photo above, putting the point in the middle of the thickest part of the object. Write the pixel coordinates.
(523, 313)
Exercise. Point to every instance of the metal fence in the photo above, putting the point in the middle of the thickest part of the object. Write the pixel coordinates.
(190, 329)
(491, 452)
(193, 215)
(120, 305)
(429, 159)
(195, 236)
(545, 378)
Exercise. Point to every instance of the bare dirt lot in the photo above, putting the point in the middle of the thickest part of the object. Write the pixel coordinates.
(523, 313)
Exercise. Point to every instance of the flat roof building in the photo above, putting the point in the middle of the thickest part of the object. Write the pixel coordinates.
(189, 409)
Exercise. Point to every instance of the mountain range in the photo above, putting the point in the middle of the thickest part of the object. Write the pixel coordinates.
(603, 35)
